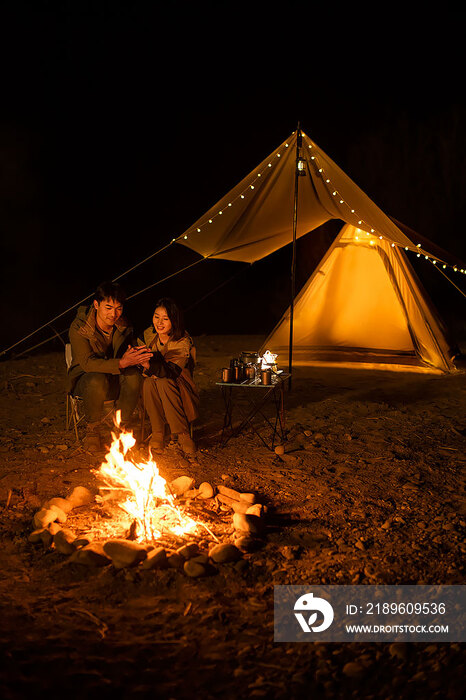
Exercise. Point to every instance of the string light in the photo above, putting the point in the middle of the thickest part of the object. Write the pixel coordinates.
(319, 171)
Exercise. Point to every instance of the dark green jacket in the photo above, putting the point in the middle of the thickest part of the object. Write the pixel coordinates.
(88, 349)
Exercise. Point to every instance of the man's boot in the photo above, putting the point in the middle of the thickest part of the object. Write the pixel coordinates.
(186, 443)
(157, 443)
(92, 438)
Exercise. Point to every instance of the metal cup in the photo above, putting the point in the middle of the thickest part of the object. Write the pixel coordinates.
(227, 374)
(266, 377)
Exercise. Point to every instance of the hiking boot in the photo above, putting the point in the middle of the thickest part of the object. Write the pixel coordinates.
(157, 443)
(91, 441)
(186, 443)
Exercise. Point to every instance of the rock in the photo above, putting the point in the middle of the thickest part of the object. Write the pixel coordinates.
(53, 528)
(63, 503)
(44, 517)
(398, 650)
(91, 555)
(156, 559)
(387, 524)
(206, 490)
(248, 523)
(61, 516)
(280, 450)
(64, 541)
(226, 491)
(257, 509)
(46, 537)
(81, 542)
(353, 670)
(194, 569)
(124, 553)
(248, 498)
(290, 551)
(224, 553)
(175, 560)
(188, 551)
(318, 436)
(201, 559)
(62, 448)
(192, 493)
(80, 496)
(36, 536)
(246, 543)
(237, 506)
(180, 485)
(360, 545)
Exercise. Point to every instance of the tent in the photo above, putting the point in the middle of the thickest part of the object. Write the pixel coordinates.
(363, 303)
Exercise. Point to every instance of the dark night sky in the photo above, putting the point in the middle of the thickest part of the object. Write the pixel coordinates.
(121, 123)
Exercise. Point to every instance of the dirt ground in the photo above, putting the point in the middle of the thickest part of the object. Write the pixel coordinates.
(370, 490)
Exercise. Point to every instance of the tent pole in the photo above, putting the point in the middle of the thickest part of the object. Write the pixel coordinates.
(293, 255)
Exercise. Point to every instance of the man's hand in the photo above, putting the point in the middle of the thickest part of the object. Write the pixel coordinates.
(135, 356)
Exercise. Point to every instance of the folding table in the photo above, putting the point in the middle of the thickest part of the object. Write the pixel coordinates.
(257, 397)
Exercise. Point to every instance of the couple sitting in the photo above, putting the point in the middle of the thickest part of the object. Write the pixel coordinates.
(107, 364)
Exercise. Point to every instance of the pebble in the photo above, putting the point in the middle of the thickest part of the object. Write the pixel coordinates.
(224, 553)
(61, 516)
(182, 484)
(156, 559)
(280, 450)
(246, 543)
(360, 545)
(353, 670)
(80, 496)
(64, 541)
(194, 569)
(36, 536)
(247, 523)
(63, 503)
(206, 490)
(91, 555)
(398, 650)
(175, 560)
(188, 551)
(44, 517)
(124, 553)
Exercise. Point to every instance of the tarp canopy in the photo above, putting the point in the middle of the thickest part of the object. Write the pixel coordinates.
(255, 218)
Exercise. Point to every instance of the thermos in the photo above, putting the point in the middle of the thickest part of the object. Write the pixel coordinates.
(266, 376)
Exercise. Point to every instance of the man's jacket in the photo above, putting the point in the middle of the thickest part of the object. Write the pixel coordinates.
(89, 352)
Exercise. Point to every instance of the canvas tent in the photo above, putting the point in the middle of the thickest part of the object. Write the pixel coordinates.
(363, 303)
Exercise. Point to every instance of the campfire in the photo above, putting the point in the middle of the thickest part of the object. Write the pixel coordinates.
(140, 519)
(149, 500)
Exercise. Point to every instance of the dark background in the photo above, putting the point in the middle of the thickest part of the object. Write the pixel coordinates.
(121, 123)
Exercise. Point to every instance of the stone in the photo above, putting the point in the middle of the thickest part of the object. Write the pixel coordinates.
(353, 670)
(61, 515)
(398, 650)
(248, 498)
(237, 506)
(156, 559)
(81, 542)
(175, 560)
(63, 503)
(44, 517)
(248, 523)
(206, 490)
(280, 450)
(80, 496)
(227, 491)
(187, 551)
(36, 536)
(124, 553)
(224, 553)
(64, 541)
(246, 543)
(257, 509)
(53, 528)
(194, 569)
(180, 485)
(91, 555)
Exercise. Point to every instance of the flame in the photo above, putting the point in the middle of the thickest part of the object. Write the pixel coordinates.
(149, 500)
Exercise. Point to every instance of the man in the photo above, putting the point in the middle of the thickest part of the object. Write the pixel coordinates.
(104, 362)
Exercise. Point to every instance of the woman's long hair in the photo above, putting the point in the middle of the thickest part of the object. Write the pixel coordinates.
(175, 315)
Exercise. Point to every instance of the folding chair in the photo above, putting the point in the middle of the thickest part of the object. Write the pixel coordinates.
(74, 408)
(74, 402)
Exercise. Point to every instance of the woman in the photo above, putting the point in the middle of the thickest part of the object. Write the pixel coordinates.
(170, 395)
